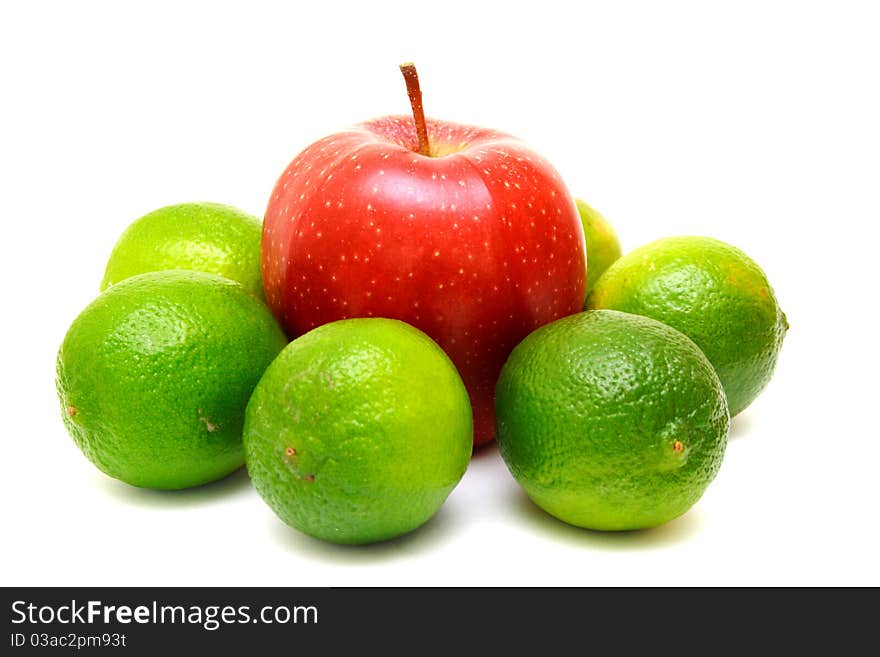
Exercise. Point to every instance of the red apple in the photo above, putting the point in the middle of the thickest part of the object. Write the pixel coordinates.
(462, 232)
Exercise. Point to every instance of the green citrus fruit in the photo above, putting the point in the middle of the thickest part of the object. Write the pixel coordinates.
(358, 431)
(209, 237)
(603, 247)
(611, 421)
(713, 293)
(154, 376)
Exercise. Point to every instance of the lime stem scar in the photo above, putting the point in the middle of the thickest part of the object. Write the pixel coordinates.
(71, 411)
(678, 447)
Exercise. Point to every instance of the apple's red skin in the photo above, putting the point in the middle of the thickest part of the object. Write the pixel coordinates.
(477, 248)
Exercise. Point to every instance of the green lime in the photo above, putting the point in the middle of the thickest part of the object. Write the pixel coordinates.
(358, 431)
(603, 247)
(611, 421)
(209, 237)
(154, 376)
(713, 293)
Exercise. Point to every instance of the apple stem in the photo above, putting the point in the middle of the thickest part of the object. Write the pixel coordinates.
(411, 77)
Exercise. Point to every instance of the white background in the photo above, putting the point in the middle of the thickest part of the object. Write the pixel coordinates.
(754, 122)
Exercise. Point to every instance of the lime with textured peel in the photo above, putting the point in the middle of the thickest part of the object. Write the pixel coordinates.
(603, 247)
(154, 376)
(358, 431)
(611, 421)
(209, 237)
(713, 293)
